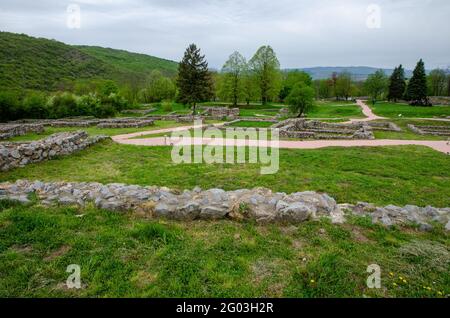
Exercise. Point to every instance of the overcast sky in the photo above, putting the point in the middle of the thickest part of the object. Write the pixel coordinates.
(303, 33)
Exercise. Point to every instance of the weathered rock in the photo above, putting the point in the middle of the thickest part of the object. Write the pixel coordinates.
(19, 154)
(261, 205)
(295, 212)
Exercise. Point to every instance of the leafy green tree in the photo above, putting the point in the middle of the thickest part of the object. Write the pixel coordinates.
(62, 105)
(301, 99)
(416, 91)
(437, 80)
(291, 79)
(159, 88)
(233, 72)
(324, 88)
(250, 87)
(376, 85)
(343, 88)
(109, 87)
(9, 105)
(266, 68)
(34, 105)
(194, 80)
(397, 84)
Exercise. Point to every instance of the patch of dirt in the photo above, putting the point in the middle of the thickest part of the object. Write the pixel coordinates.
(57, 253)
(142, 279)
(358, 236)
(22, 249)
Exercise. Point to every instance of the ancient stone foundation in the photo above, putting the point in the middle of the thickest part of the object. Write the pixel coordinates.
(431, 130)
(311, 129)
(125, 123)
(260, 204)
(12, 130)
(19, 154)
(88, 122)
(221, 112)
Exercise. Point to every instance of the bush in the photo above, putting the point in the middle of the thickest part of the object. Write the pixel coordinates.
(88, 104)
(62, 105)
(9, 105)
(166, 106)
(34, 106)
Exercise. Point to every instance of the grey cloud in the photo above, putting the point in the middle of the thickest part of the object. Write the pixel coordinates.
(303, 32)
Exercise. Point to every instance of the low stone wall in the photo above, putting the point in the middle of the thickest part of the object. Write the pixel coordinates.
(302, 128)
(221, 112)
(125, 123)
(260, 204)
(431, 130)
(12, 130)
(15, 154)
(101, 123)
(384, 126)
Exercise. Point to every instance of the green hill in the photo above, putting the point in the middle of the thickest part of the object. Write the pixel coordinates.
(41, 64)
(134, 62)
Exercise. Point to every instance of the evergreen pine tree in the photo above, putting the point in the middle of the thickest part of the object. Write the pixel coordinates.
(416, 92)
(194, 80)
(397, 84)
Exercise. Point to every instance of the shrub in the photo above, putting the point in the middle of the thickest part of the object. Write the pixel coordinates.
(9, 105)
(62, 105)
(88, 104)
(34, 106)
(166, 106)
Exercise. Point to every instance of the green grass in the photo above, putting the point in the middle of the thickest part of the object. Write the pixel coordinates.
(125, 256)
(97, 131)
(408, 134)
(175, 108)
(382, 175)
(335, 110)
(252, 124)
(256, 112)
(393, 110)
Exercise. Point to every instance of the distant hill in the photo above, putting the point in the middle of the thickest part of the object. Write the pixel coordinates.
(359, 73)
(42, 64)
(134, 62)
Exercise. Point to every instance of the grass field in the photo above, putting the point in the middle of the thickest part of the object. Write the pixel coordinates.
(407, 133)
(335, 110)
(124, 256)
(385, 175)
(393, 110)
(159, 124)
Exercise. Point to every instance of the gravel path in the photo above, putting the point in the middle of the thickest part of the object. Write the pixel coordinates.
(441, 146)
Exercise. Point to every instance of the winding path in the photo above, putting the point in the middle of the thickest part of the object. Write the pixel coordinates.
(367, 111)
(441, 146)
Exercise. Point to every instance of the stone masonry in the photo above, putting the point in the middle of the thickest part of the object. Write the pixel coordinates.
(12, 130)
(19, 154)
(260, 204)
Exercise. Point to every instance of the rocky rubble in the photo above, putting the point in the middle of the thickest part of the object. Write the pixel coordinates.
(391, 214)
(260, 204)
(19, 154)
(12, 130)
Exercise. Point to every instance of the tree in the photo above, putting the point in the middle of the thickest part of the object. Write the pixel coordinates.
(291, 79)
(343, 85)
(301, 99)
(266, 69)
(437, 80)
(159, 88)
(376, 85)
(397, 84)
(324, 88)
(194, 80)
(416, 92)
(234, 70)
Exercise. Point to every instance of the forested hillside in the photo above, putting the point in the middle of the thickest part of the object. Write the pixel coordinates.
(49, 65)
